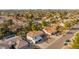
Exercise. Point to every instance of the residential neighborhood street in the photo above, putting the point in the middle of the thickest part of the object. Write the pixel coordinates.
(38, 29)
(58, 44)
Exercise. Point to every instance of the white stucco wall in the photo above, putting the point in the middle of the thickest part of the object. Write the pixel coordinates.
(30, 38)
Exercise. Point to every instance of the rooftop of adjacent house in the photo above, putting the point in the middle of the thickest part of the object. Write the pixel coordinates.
(55, 25)
(13, 27)
(8, 42)
(38, 21)
(49, 29)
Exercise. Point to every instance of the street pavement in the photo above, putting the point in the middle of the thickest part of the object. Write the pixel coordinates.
(58, 44)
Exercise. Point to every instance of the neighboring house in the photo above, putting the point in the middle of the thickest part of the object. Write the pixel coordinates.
(46, 19)
(2, 19)
(50, 30)
(62, 24)
(7, 42)
(77, 17)
(35, 36)
(67, 20)
(11, 16)
(19, 22)
(38, 22)
(13, 27)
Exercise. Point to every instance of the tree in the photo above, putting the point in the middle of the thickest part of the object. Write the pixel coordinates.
(44, 24)
(60, 29)
(1, 34)
(7, 23)
(22, 31)
(67, 25)
(75, 41)
(39, 27)
(33, 27)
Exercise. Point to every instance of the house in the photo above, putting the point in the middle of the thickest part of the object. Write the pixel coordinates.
(62, 24)
(46, 19)
(13, 27)
(35, 36)
(37, 22)
(67, 20)
(7, 42)
(49, 30)
(18, 22)
(2, 19)
(11, 16)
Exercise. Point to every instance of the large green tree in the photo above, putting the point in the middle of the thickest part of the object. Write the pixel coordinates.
(75, 41)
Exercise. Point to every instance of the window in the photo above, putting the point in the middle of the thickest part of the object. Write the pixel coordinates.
(38, 41)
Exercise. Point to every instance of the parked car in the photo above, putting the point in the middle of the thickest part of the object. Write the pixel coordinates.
(67, 42)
